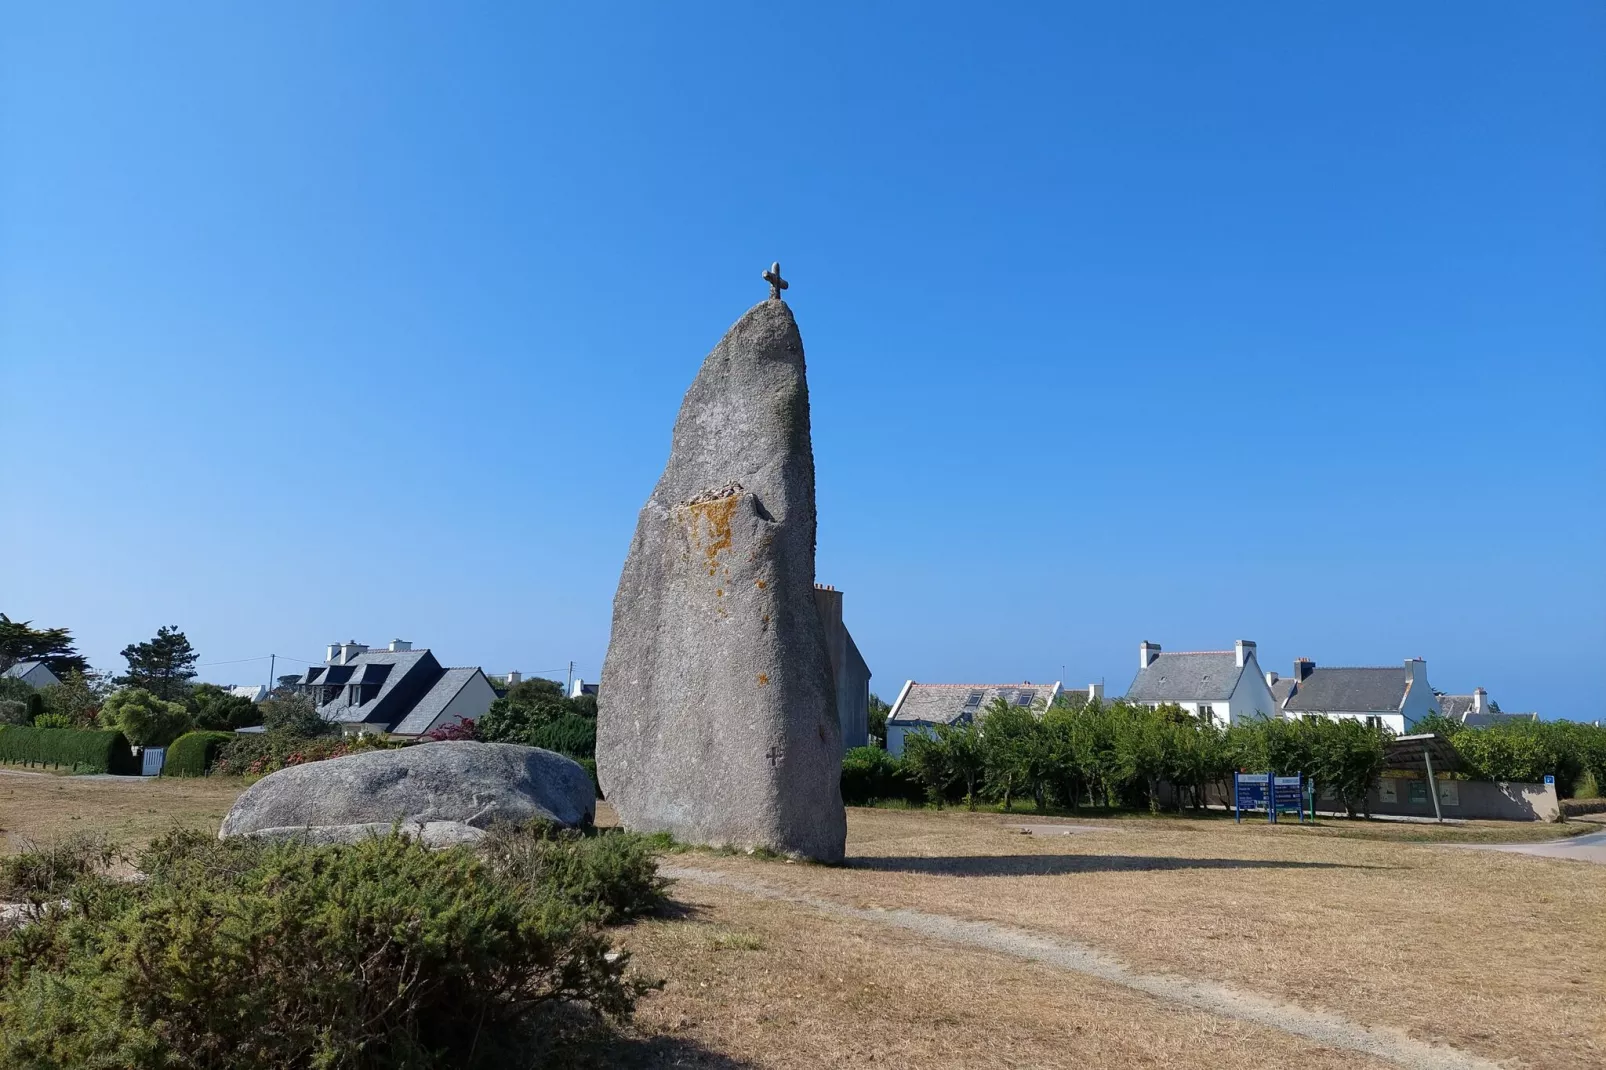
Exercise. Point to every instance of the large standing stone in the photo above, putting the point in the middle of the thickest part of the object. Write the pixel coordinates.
(471, 783)
(716, 717)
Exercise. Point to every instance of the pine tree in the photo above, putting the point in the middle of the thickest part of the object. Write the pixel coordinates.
(164, 666)
(20, 641)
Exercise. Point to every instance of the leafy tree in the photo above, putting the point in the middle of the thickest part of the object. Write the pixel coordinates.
(1012, 742)
(1507, 752)
(533, 690)
(77, 698)
(21, 641)
(146, 720)
(1346, 755)
(926, 759)
(965, 756)
(295, 714)
(164, 665)
(878, 711)
(218, 710)
(520, 716)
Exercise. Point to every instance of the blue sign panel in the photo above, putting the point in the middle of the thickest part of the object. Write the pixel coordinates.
(1250, 791)
(1290, 792)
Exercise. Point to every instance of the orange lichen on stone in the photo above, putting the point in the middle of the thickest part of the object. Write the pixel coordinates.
(762, 585)
(711, 526)
(763, 678)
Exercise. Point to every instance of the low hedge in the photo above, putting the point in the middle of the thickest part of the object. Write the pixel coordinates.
(870, 774)
(83, 750)
(570, 734)
(193, 753)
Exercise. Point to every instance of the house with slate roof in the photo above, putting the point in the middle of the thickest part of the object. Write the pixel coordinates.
(921, 707)
(1223, 687)
(32, 673)
(1476, 711)
(1392, 698)
(398, 690)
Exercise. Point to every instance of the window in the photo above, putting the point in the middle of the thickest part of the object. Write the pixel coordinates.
(1374, 722)
(1024, 698)
(974, 699)
(1207, 713)
(1418, 791)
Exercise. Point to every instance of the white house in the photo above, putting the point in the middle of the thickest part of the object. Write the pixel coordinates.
(1476, 711)
(32, 673)
(1392, 698)
(1220, 686)
(399, 690)
(921, 707)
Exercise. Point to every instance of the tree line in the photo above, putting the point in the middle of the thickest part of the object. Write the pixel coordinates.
(1119, 754)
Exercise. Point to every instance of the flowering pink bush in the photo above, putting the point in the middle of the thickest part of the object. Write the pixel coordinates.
(462, 729)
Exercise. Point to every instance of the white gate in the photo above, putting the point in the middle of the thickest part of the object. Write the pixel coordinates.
(154, 758)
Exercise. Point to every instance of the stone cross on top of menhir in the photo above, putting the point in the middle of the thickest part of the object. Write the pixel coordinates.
(777, 284)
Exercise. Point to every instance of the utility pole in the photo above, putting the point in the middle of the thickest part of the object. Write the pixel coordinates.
(272, 660)
(568, 683)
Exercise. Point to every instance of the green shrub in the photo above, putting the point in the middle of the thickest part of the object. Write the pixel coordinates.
(146, 720)
(193, 753)
(51, 868)
(54, 720)
(14, 711)
(870, 774)
(590, 766)
(251, 955)
(570, 734)
(611, 873)
(79, 749)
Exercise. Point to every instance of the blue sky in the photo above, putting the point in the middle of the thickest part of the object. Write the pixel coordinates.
(1172, 322)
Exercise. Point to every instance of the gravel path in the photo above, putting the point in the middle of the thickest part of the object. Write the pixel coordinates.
(1318, 1026)
(1590, 847)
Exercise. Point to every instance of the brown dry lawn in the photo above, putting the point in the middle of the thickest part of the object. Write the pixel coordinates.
(1503, 956)
(38, 806)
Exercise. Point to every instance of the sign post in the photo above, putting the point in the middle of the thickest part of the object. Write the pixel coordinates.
(1250, 791)
(1288, 793)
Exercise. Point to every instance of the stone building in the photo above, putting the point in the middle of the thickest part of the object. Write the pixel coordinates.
(849, 670)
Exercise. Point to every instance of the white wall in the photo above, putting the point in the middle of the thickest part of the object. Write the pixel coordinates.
(1252, 699)
(896, 733)
(471, 703)
(1394, 722)
(1420, 701)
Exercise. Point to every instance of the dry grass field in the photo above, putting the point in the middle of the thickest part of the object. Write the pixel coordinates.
(775, 964)
(131, 810)
(1501, 956)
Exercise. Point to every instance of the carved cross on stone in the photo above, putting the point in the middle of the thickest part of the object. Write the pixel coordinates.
(777, 284)
(774, 756)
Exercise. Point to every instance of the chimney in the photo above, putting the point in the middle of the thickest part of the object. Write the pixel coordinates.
(1414, 668)
(1095, 692)
(1303, 667)
(1243, 650)
(398, 645)
(1271, 678)
(1480, 699)
(577, 688)
(514, 678)
(1147, 652)
(349, 651)
(331, 654)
